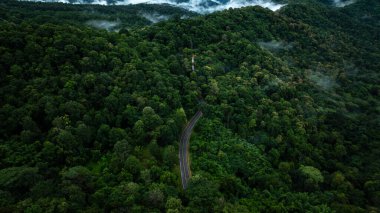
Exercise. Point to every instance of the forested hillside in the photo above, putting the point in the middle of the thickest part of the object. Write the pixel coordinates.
(91, 119)
(110, 18)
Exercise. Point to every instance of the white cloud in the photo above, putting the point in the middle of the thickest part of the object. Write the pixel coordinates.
(324, 82)
(274, 45)
(340, 3)
(104, 24)
(101, 2)
(200, 6)
(154, 17)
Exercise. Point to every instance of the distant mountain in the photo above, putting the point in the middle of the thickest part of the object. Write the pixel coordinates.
(200, 6)
(110, 18)
(203, 6)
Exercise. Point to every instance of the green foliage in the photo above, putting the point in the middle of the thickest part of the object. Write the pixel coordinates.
(311, 176)
(311, 173)
(203, 193)
(90, 119)
(18, 178)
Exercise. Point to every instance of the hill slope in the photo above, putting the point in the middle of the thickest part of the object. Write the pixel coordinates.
(91, 119)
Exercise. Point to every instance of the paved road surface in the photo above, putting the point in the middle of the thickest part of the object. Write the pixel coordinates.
(184, 149)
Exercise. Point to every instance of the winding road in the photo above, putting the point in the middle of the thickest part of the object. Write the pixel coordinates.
(184, 149)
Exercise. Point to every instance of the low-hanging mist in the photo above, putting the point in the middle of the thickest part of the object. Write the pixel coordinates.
(199, 6)
(341, 3)
(104, 24)
(155, 17)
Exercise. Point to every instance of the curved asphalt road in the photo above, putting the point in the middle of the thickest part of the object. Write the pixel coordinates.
(184, 149)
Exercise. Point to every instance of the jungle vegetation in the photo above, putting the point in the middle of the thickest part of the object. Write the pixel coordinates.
(90, 119)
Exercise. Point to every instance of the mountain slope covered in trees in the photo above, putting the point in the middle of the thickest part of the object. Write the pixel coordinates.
(91, 119)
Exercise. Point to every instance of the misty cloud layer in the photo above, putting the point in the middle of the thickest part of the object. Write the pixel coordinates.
(104, 24)
(154, 17)
(274, 45)
(341, 3)
(324, 82)
(200, 6)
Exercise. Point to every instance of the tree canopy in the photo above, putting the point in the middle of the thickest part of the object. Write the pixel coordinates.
(91, 118)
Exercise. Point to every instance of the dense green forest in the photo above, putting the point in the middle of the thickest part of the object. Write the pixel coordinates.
(122, 17)
(90, 119)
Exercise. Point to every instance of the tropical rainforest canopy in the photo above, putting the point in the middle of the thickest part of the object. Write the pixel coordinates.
(93, 100)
